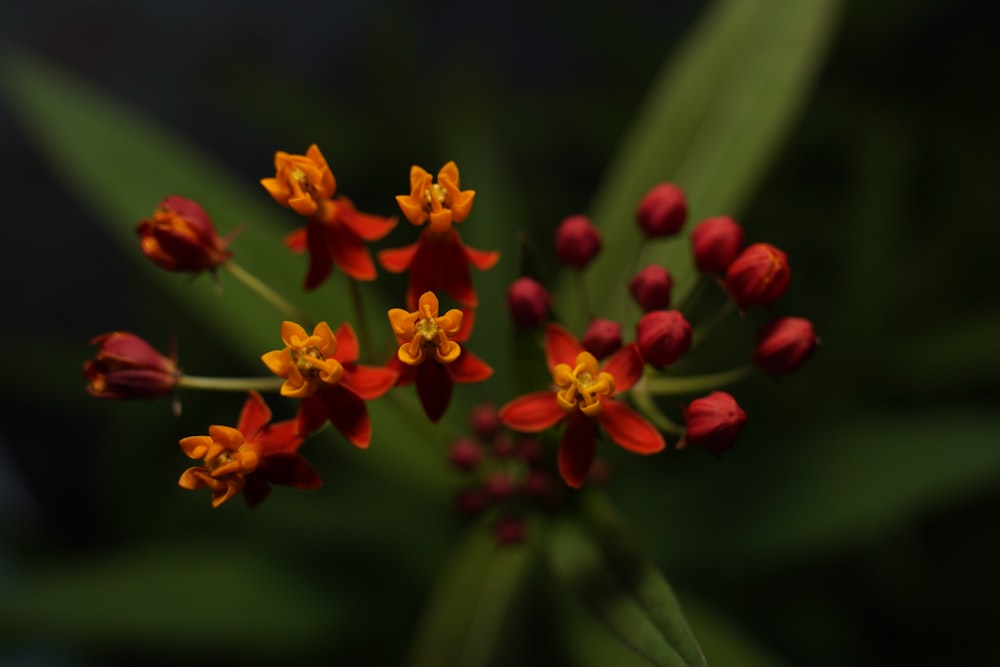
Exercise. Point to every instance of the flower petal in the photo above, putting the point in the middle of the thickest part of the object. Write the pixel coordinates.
(482, 259)
(469, 368)
(625, 366)
(280, 437)
(348, 413)
(577, 449)
(291, 470)
(347, 344)
(369, 382)
(363, 225)
(296, 241)
(320, 259)
(532, 413)
(254, 415)
(629, 429)
(434, 388)
(398, 260)
(561, 347)
(349, 252)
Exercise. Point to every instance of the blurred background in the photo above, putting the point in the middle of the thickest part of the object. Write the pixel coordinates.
(855, 523)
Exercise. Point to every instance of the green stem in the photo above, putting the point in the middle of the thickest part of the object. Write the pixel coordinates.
(643, 400)
(692, 384)
(359, 312)
(230, 384)
(705, 328)
(265, 292)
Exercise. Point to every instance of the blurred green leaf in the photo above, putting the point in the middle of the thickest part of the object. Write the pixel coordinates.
(462, 622)
(712, 123)
(601, 560)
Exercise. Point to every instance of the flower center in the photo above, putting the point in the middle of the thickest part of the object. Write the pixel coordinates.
(583, 385)
(309, 360)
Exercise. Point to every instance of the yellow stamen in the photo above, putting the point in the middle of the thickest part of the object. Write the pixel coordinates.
(583, 385)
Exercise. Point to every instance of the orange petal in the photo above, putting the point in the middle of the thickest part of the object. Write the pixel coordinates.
(532, 413)
(364, 225)
(397, 260)
(370, 382)
(629, 429)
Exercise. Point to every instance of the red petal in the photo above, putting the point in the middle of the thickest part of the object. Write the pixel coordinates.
(407, 374)
(532, 413)
(349, 252)
(255, 490)
(291, 470)
(320, 261)
(454, 276)
(625, 366)
(364, 225)
(577, 449)
(347, 344)
(469, 368)
(468, 320)
(254, 415)
(369, 382)
(348, 413)
(434, 387)
(561, 347)
(296, 241)
(281, 437)
(629, 429)
(311, 416)
(425, 271)
(397, 260)
(482, 259)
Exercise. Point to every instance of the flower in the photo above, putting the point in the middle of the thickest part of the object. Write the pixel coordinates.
(715, 243)
(651, 288)
(438, 260)
(784, 344)
(321, 369)
(528, 303)
(713, 422)
(759, 275)
(577, 241)
(662, 211)
(301, 181)
(126, 366)
(335, 231)
(430, 355)
(602, 337)
(248, 458)
(663, 337)
(584, 398)
(181, 237)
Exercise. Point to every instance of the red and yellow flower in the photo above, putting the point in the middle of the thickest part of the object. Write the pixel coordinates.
(248, 458)
(583, 398)
(438, 260)
(321, 369)
(335, 231)
(430, 355)
(180, 236)
(126, 366)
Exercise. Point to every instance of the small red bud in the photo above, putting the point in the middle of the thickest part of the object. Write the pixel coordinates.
(759, 275)
(602, 337)
(504, 446)
(713, 422)
(126, 366)
(465, 453)
(509, 530)
(715, 243)
(499, 486)
(662, 211)
(181, 237)
(485, 420)
(531, 450)
(663, 337)
(528, 303)
(783, 344)
(577, 241)
(651, 288)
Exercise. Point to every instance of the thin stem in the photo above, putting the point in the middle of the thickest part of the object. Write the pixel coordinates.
(230, 384)
(647, 406)
(265, 292)
(362, 318)
(692, 384)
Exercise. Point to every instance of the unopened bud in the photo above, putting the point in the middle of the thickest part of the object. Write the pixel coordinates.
(715, 243)
(465, 453)
(662, 211)
(651, 288)
(577, 241)
(713, 422)
(784, 344)
(758, 276)
(663, 337)
(528, 303)
(602, 337)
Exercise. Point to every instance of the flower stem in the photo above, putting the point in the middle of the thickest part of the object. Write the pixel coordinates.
(643, 400)
(230, 384)
(705, 328)
(265, 292)
(359, 312)
(692, 384)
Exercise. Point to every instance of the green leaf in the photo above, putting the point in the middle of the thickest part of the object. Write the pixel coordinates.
(466, 610)
(712, 122)
(602, 561)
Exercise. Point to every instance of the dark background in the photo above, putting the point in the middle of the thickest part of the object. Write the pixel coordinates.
(855, 524)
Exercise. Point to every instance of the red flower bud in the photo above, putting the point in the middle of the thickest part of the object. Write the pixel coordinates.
(180, 237)
(499, 486)
(758, 276)
(651, 288)
(485, 420)
(471, 502)
(577, 241)
(602, 337)
(715, 243)
(465, 453)
(126, 366)
(509, 530)
(663, 337)
(662, 211)
(713, 422)
(784, 344)
(528, 303)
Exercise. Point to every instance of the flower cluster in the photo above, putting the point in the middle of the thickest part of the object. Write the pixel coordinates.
(606, 382)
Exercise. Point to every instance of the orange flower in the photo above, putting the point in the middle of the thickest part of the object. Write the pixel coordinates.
(335, 232)
(583, 398)
(248, 458)
(181, 237)
(429, 353)
(321, 369)
(438, 260)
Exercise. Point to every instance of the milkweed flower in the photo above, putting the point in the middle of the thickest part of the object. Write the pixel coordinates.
(438, 260)
(713, 422)
(429, 353)
(180, 236)
(662, 211)
(321, 369)
(335, 232)
(715, 243)
(248, 458)
(584, 398)
(126, 366)
(758, 276)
